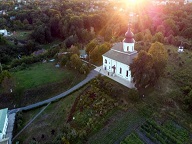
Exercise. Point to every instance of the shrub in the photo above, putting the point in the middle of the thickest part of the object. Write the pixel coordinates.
(133, 95)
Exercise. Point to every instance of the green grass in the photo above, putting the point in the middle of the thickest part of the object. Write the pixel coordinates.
(21, 35)
(50, 45)
(40, 82)
(40, 74)
(54, 117)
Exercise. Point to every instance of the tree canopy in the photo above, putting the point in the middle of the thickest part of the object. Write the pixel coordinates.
(160, 56)
(148, 67)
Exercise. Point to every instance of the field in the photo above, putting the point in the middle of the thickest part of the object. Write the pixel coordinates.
(39, 82)
(21, 35)
(104, 117)
(169, 132)
(40, 74)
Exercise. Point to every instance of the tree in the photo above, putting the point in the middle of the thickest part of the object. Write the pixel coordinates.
(4, 74)
(74, 50)
(158, 37)
(7, 84)
(90, 46)
(143, 71)
(75, 61)
(139, 36)
(64, 60)
(160, 56)
(2, 40)
(98, 51)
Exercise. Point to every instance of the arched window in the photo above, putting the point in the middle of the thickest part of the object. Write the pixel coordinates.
(120, 70)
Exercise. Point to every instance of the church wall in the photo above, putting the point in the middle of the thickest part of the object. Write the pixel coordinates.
(121, 70)
(128, 47)
(107, 64)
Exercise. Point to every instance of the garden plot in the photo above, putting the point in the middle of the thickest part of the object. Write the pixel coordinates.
(168, 133)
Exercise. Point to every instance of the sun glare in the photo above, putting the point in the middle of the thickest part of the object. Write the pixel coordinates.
(133, 1)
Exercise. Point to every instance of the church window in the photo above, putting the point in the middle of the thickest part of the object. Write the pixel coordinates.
(120, 70)
(127, 74)
(105, 61)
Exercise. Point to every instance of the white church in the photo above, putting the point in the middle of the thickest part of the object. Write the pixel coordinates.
(116, 62)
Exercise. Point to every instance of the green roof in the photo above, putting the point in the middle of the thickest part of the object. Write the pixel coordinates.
(3, 113)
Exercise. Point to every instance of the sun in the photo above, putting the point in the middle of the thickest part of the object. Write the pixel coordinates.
(133, 2)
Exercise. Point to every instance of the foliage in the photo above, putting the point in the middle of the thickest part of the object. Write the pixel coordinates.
(2, 40)
(143, 71)
(98, 51)
(160, 57)
(75, 61)
(18, 122)
(42, 34)
(4, 74)
(162, 134)
(133, 95)
(148, 67)
(158, 37)
(132, 139)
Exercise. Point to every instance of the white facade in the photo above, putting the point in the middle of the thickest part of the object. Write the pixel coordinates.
(128, 47)
(180, 49)
(116, 68)
(3, 32)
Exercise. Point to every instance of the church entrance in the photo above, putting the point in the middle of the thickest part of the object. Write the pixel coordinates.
(113, 67)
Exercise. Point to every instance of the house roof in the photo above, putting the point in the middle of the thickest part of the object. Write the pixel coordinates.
(123, 57)
(118, 47)
(3, 113)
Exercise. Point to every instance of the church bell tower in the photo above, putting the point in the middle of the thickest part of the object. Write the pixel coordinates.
(129, 42)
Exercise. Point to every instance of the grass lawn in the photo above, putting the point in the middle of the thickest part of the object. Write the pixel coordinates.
(21, 35)
(50, 45)
(40, 82)
(40, 74)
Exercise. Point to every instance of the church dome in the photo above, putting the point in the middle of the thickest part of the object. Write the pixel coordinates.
(129, 37)
(129, 34)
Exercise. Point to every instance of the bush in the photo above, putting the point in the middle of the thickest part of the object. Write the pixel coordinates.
(133, 95)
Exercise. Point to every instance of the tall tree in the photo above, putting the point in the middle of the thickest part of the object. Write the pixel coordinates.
(75, 61)
(160, 56)
(143, 71)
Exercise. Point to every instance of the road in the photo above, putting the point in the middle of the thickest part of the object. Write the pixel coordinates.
(89, 77)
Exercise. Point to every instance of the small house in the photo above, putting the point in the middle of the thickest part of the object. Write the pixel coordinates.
(83, 54)
(180, 49)
(3, 32)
